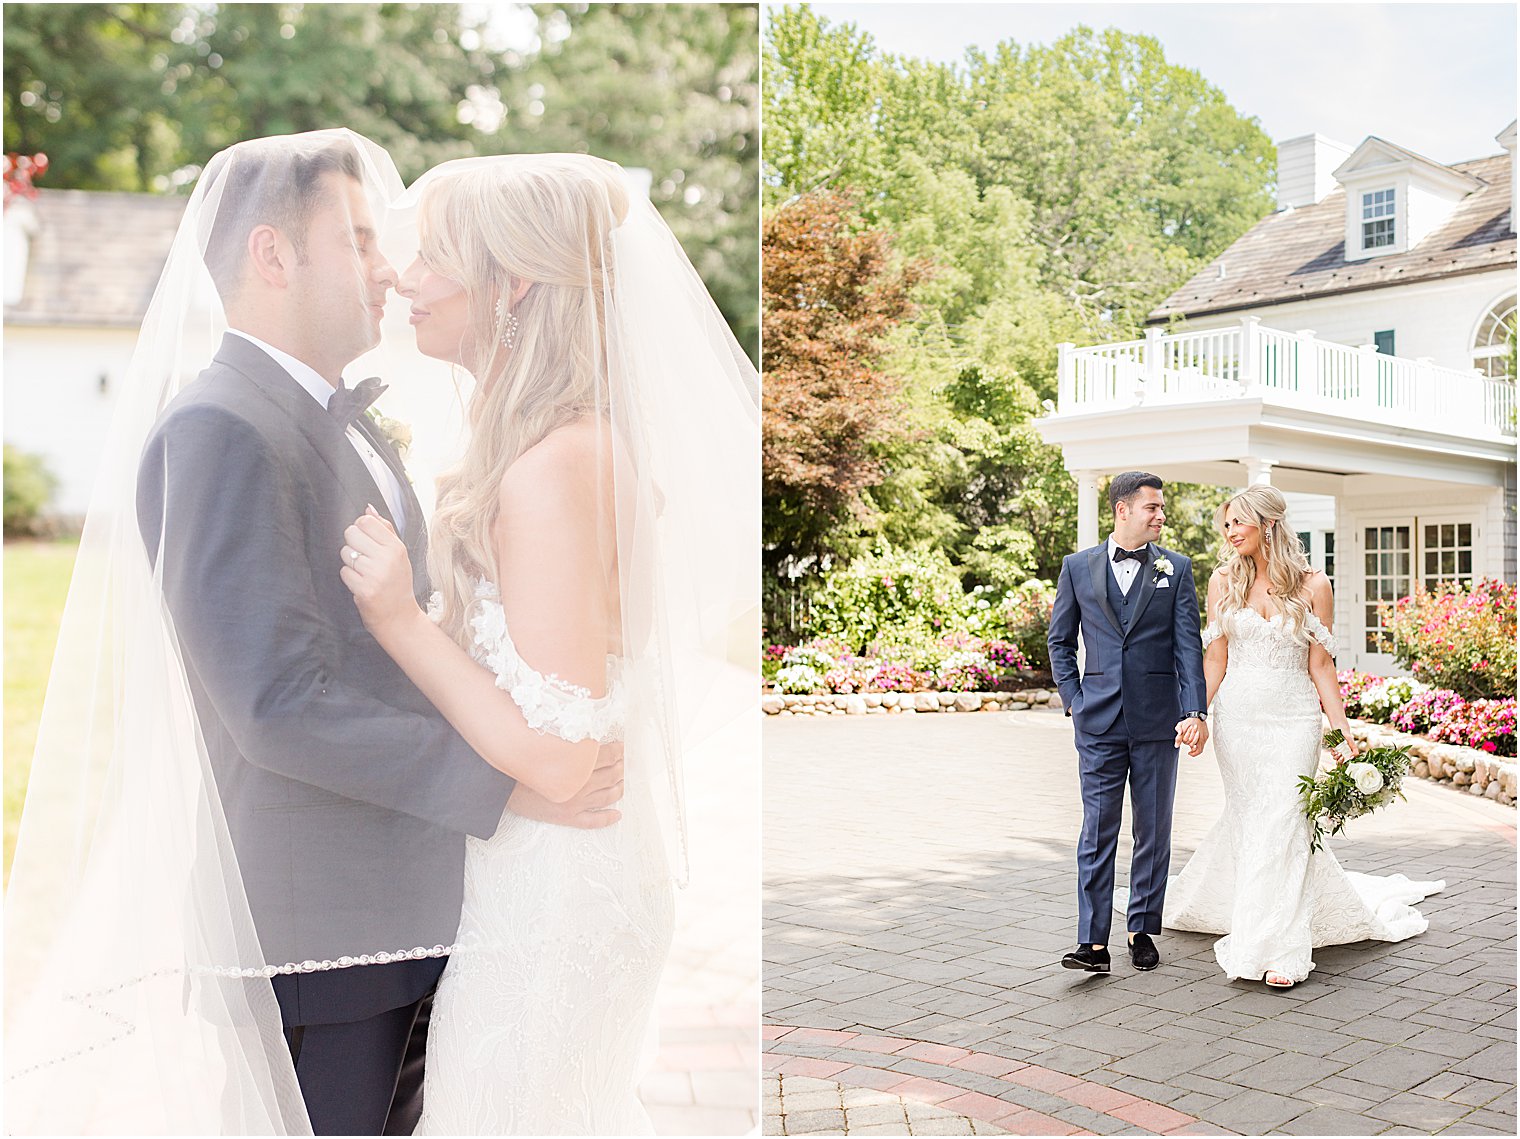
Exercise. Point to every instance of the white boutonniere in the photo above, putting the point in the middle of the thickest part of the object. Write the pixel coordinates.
(396, 433)
(1163, 567)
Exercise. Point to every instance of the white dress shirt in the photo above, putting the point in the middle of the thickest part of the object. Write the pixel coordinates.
(1126, 571)
(321, 391)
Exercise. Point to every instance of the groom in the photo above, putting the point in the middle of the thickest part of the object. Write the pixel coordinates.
(346, 795)
(1140, 694)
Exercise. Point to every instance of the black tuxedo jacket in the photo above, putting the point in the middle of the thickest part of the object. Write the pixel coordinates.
(1141, 678)
(347, 795)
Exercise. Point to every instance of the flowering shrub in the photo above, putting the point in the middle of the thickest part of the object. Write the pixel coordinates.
(894, 676)
(964, 671)
(1353, 684)
(1457, 638)
(1005, 656)
(1488, 725)
(1024, 619)
(889, 595)
(1380, 701)
(1426, 710)
(799, 679)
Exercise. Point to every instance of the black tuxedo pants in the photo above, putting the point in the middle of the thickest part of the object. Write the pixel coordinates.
(364, 1077)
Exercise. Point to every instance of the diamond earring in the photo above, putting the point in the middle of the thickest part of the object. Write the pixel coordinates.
(509, 324)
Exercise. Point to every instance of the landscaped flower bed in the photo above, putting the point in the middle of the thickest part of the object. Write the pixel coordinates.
(956, 662)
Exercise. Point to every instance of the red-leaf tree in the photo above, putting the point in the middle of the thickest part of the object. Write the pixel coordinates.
(830, 293)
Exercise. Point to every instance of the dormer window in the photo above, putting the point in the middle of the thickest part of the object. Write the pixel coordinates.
(1378, 219)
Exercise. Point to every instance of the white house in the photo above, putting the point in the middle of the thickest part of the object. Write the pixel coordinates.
(1352, 349)
(80, 268)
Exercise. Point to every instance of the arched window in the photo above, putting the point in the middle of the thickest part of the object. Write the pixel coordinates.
(1493, 343)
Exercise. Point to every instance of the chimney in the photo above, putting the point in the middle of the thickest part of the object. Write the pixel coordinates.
(1305, 167)
(20, 225)
(1506, 139)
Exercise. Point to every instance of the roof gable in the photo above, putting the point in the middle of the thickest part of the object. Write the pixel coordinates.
(1299, 253)
(1377, 157)
(95, 257)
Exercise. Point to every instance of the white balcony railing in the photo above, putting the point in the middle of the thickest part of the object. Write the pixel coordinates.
(1287, 368)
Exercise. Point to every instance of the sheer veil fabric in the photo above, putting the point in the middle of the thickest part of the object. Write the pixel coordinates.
(142, 925)
(665, 389)
(137, 997)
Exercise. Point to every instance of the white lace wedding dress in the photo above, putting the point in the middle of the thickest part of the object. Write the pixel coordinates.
(1254, 878)
(543, 1019)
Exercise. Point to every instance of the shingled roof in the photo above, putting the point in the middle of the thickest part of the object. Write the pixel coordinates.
(1300, 253)
(95, 258)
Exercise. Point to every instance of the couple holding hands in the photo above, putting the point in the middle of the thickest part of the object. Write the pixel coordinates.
(1262, 669)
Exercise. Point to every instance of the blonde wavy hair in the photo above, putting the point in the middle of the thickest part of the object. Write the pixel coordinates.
(544, 222)
(1286, 563)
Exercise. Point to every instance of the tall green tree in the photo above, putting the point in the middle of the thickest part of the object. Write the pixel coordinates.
(139, 96)
(1060, 193)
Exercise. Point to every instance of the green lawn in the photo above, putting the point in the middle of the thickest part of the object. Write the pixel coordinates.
(36, 583)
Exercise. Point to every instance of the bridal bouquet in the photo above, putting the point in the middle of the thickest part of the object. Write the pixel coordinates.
(1345, 791)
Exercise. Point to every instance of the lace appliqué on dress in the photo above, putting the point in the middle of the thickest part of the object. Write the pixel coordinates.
(549, 704)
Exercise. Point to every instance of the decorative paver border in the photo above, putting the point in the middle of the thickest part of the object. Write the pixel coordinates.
(1010, 1094)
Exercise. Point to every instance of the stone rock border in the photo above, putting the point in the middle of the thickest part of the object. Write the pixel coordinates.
(1479, 773)
(912, 703)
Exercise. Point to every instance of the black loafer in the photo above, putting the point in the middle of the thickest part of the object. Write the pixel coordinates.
(1142, 952)
(1088, 958)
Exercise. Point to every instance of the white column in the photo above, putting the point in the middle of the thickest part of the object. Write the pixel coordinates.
(1259, 471)
(1087, 508)
(1066, 388)
(1155, 381)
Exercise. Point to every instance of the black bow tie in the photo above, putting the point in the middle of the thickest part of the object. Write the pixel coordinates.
(1141, 555)
(347, 404)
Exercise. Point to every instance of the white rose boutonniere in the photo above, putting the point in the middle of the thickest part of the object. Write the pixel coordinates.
(396, 433)
(1163, 567)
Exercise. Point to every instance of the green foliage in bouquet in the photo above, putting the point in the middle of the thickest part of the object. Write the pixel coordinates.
(1349, 790)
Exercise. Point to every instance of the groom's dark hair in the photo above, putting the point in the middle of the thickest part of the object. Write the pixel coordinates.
(1125, 486)
(281, 187)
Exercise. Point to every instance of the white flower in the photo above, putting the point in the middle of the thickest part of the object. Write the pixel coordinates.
(1368, 779)
(1163, 566)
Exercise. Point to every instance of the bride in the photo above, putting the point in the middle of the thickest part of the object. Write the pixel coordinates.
(546, 637)
(1269, 671)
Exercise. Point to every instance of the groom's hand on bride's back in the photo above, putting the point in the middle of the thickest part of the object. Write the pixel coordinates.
(592, 807)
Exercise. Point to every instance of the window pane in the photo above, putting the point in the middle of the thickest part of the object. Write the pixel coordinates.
(1329, 541)
(1401, 537)
(1430, 535)
(1448, 562)
(1448, 535)
(1430, 562)
(1464, 534)
(1464, 563)
(1372, 563)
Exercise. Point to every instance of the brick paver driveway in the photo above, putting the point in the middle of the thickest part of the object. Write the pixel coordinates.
(920, 892)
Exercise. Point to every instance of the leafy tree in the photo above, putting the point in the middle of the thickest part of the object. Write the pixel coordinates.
(830, 295)
(139, 96)
(1060, 193)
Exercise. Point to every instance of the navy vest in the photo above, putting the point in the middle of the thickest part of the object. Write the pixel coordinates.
(1123, 604)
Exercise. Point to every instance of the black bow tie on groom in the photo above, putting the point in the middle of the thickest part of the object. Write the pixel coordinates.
(1142, 555)
(347, 404)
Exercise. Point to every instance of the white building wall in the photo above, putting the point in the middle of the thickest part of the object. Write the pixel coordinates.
(1435, 319)
(1364, 505)
(54, 402)
(1426, 212)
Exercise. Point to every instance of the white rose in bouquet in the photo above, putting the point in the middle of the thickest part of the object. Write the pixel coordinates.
(1368, 779)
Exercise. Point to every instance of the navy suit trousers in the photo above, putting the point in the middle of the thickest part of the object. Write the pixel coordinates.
(1106, 763)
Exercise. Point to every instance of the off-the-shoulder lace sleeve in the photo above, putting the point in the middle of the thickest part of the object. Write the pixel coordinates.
(1211, 634)
(1316, 629)
(549, 704)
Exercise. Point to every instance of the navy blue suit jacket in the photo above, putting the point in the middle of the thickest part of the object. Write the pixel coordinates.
(1139, 680)
(347, 795)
